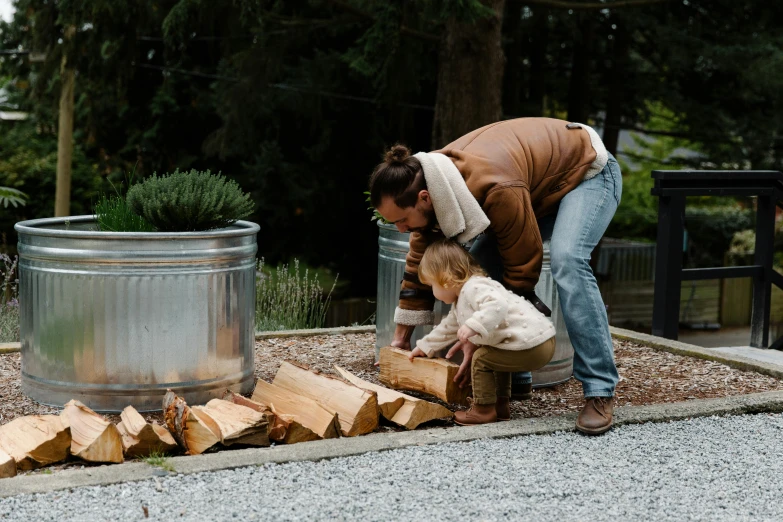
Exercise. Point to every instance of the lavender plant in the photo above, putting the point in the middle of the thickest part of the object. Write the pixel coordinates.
(9, 303)
(288, 300)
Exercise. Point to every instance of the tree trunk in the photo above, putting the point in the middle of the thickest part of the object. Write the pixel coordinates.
(470, 76)
(62, 200)
(536, 105)
(614, 102)
(513, 79)
(431, 376)
(578, 88)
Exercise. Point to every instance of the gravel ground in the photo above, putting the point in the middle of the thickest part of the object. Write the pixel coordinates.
(703, 469)
(647, 376)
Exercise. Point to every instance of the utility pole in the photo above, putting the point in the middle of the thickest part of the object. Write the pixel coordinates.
(62, 200)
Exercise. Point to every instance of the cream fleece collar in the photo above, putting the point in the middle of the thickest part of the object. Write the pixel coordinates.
(458, 213)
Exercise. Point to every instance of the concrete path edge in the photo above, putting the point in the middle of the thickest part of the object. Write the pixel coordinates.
(771, 402)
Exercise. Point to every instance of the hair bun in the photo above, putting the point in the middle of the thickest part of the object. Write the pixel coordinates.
(398, 154)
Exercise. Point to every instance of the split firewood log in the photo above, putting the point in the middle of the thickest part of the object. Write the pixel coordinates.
(93, 438)
(315, 421)
(278, 423)
(389, 401)
(140, 439)
(35, 440)
(356, 409)
(431, 376)
(400, 408)
(192, 434)
(7, 465)
(234, 424)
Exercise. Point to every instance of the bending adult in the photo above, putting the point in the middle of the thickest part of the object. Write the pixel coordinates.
(509, 186)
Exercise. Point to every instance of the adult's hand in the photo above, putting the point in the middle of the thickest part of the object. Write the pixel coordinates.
(463, 374)
(402, 338)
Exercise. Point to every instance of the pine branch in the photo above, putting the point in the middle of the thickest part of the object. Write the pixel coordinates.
(558, 4)
(345, 6)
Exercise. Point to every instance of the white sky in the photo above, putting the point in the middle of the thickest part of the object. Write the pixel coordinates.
(6, 10)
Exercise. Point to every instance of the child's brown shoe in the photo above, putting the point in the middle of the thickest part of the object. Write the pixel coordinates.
(502, 409)
(476, 414)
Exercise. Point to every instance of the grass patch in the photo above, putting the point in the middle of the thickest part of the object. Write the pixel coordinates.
(114, 215)
(286, 299)
(160, 460)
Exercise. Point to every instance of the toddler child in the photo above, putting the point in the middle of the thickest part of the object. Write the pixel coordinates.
(512, 335)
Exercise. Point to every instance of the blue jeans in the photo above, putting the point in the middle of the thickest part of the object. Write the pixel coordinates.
(574, 231)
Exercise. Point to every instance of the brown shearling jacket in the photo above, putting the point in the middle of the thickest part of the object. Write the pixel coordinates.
(518, 170)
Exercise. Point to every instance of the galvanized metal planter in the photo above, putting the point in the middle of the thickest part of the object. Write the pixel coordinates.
(115, 318)
(392, 248)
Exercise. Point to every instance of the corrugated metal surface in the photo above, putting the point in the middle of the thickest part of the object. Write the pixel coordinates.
(113, 319)
(392, 249)
(620, 260)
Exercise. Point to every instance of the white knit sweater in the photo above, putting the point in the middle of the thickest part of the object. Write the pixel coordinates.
(501, 319)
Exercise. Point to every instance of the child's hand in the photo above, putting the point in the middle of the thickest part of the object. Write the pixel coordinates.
(464, 333)
(417, 352)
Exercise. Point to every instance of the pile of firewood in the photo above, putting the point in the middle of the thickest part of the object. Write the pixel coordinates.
(298, 405)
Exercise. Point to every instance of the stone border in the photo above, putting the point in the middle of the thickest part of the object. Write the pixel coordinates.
(10, 347)
(342, 330)
(676, 347)
(344, 447)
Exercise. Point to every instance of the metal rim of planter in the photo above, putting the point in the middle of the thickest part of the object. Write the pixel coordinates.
(40, 227)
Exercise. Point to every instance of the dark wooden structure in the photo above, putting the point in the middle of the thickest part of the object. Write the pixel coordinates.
(672, 187)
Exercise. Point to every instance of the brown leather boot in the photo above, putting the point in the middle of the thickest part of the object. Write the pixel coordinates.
(502, 409)
(522, 392)
(596, 415)
(476, 414)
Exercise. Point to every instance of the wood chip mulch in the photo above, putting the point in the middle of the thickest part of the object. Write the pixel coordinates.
(647, 376)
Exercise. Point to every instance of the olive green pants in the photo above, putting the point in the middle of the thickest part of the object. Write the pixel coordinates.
(491, 369)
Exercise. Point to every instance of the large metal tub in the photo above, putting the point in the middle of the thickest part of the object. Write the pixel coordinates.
(392, 249)
(114, 319)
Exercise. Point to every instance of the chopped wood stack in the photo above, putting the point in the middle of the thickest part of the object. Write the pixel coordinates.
(399, 408)
(235, 424)
(140, 439)
(190, 432)
(93, 438)
(309, 420)
(431, 376)
(35, 441)
(356, 409)
(7, 465)
(299, 405)
(200, 428)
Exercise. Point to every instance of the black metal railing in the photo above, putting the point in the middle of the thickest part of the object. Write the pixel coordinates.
(672, 187)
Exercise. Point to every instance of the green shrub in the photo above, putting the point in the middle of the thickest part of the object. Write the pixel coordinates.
(710, 231)
(183, 202)
(286, 300)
